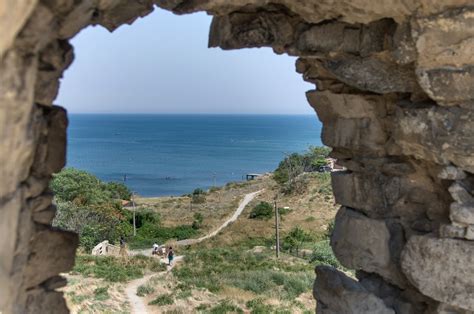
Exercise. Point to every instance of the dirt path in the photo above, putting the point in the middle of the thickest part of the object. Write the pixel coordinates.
(247, 199)
(136, 302)
(137, 306)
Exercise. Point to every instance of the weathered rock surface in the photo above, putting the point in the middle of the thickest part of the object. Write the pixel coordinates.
(394, 89)
(336, 293)
(365, 244)
(441, 269)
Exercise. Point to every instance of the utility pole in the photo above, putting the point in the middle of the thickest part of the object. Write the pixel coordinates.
(134, 219)
(277, 229)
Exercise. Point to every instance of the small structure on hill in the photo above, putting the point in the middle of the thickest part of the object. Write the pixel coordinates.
(252, 176)
(331, 165)
(105, 248)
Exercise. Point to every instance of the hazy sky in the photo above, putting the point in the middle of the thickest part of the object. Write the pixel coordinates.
(161, 64)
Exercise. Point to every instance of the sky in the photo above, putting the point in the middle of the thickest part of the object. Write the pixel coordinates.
(161, 64)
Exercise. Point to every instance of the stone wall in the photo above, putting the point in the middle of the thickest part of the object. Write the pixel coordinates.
(394, 89)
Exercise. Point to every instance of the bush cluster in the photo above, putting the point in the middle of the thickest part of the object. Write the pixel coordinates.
(116, 269)
(262, 210)
(290, 170)
(215, 268)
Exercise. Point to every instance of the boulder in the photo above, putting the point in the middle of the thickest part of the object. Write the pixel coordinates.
(336, 293)
(442, 269)
(363, 243)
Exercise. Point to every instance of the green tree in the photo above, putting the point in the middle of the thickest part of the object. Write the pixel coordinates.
(317, 156)
(262, 210)
(198, 196)
(79, 187)
(118, 190)
(289, 172)
(83, 188)
(295, 238)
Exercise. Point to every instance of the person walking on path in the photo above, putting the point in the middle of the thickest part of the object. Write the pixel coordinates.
(170, 256)
(123, 251)
(155, 249)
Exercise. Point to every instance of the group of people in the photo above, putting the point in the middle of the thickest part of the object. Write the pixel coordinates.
(168, 253)
(157, 249)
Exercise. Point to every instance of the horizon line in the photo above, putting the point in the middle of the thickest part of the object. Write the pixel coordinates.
(193, 113)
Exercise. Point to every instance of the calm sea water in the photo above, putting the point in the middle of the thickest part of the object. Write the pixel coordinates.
(174, 154)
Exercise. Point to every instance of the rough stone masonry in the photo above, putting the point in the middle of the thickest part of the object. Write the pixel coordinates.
(394, 88)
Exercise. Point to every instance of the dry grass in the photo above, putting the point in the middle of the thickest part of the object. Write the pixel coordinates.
(220, 205)
(312, 211)
(82, 295)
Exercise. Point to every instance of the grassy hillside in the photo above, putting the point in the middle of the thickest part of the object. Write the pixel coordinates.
(234, 272)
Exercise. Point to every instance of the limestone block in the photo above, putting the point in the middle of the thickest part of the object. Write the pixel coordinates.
(56, 140)
(460, 194)
(451, 231)
(55, 283)
(17, 141)
(9, 222)
(373, 74)
(462, 213)
(45, 216)
(365, 244)
(406, 301)
(76, 19)
(448, 86)
(404, 51)
(439, 134)
(381, 196)
(351, 121)
(445, 39)
(52, 252)
(53, 61)
(330, 37)
(41, 202)
(35, 186)
(444, 308)
(445, 65)
(13, 15)
(442, 269)
(469, 233)
(452, 173)
(336, 293)
(246, 30)
(42, 301)
(111, 15)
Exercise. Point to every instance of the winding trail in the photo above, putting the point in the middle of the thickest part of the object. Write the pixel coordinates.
(137, 306)
(247, 199)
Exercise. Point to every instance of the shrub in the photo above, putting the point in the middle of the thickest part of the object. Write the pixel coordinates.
(256, 306)
(295, 238)
(144, 290)
(113, 269)
(225, 306)
(101, 294)
(288, 172)
(329, 230)
(324, 255)
(82, 188)
(198, 191)
(162, 299)
(197, 223)
(198, 198)
(263, 210)
(183, 294)
(213, 189)
(118, 190)
(93, 223)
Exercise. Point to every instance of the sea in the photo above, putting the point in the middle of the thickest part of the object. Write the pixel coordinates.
(165, 154)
